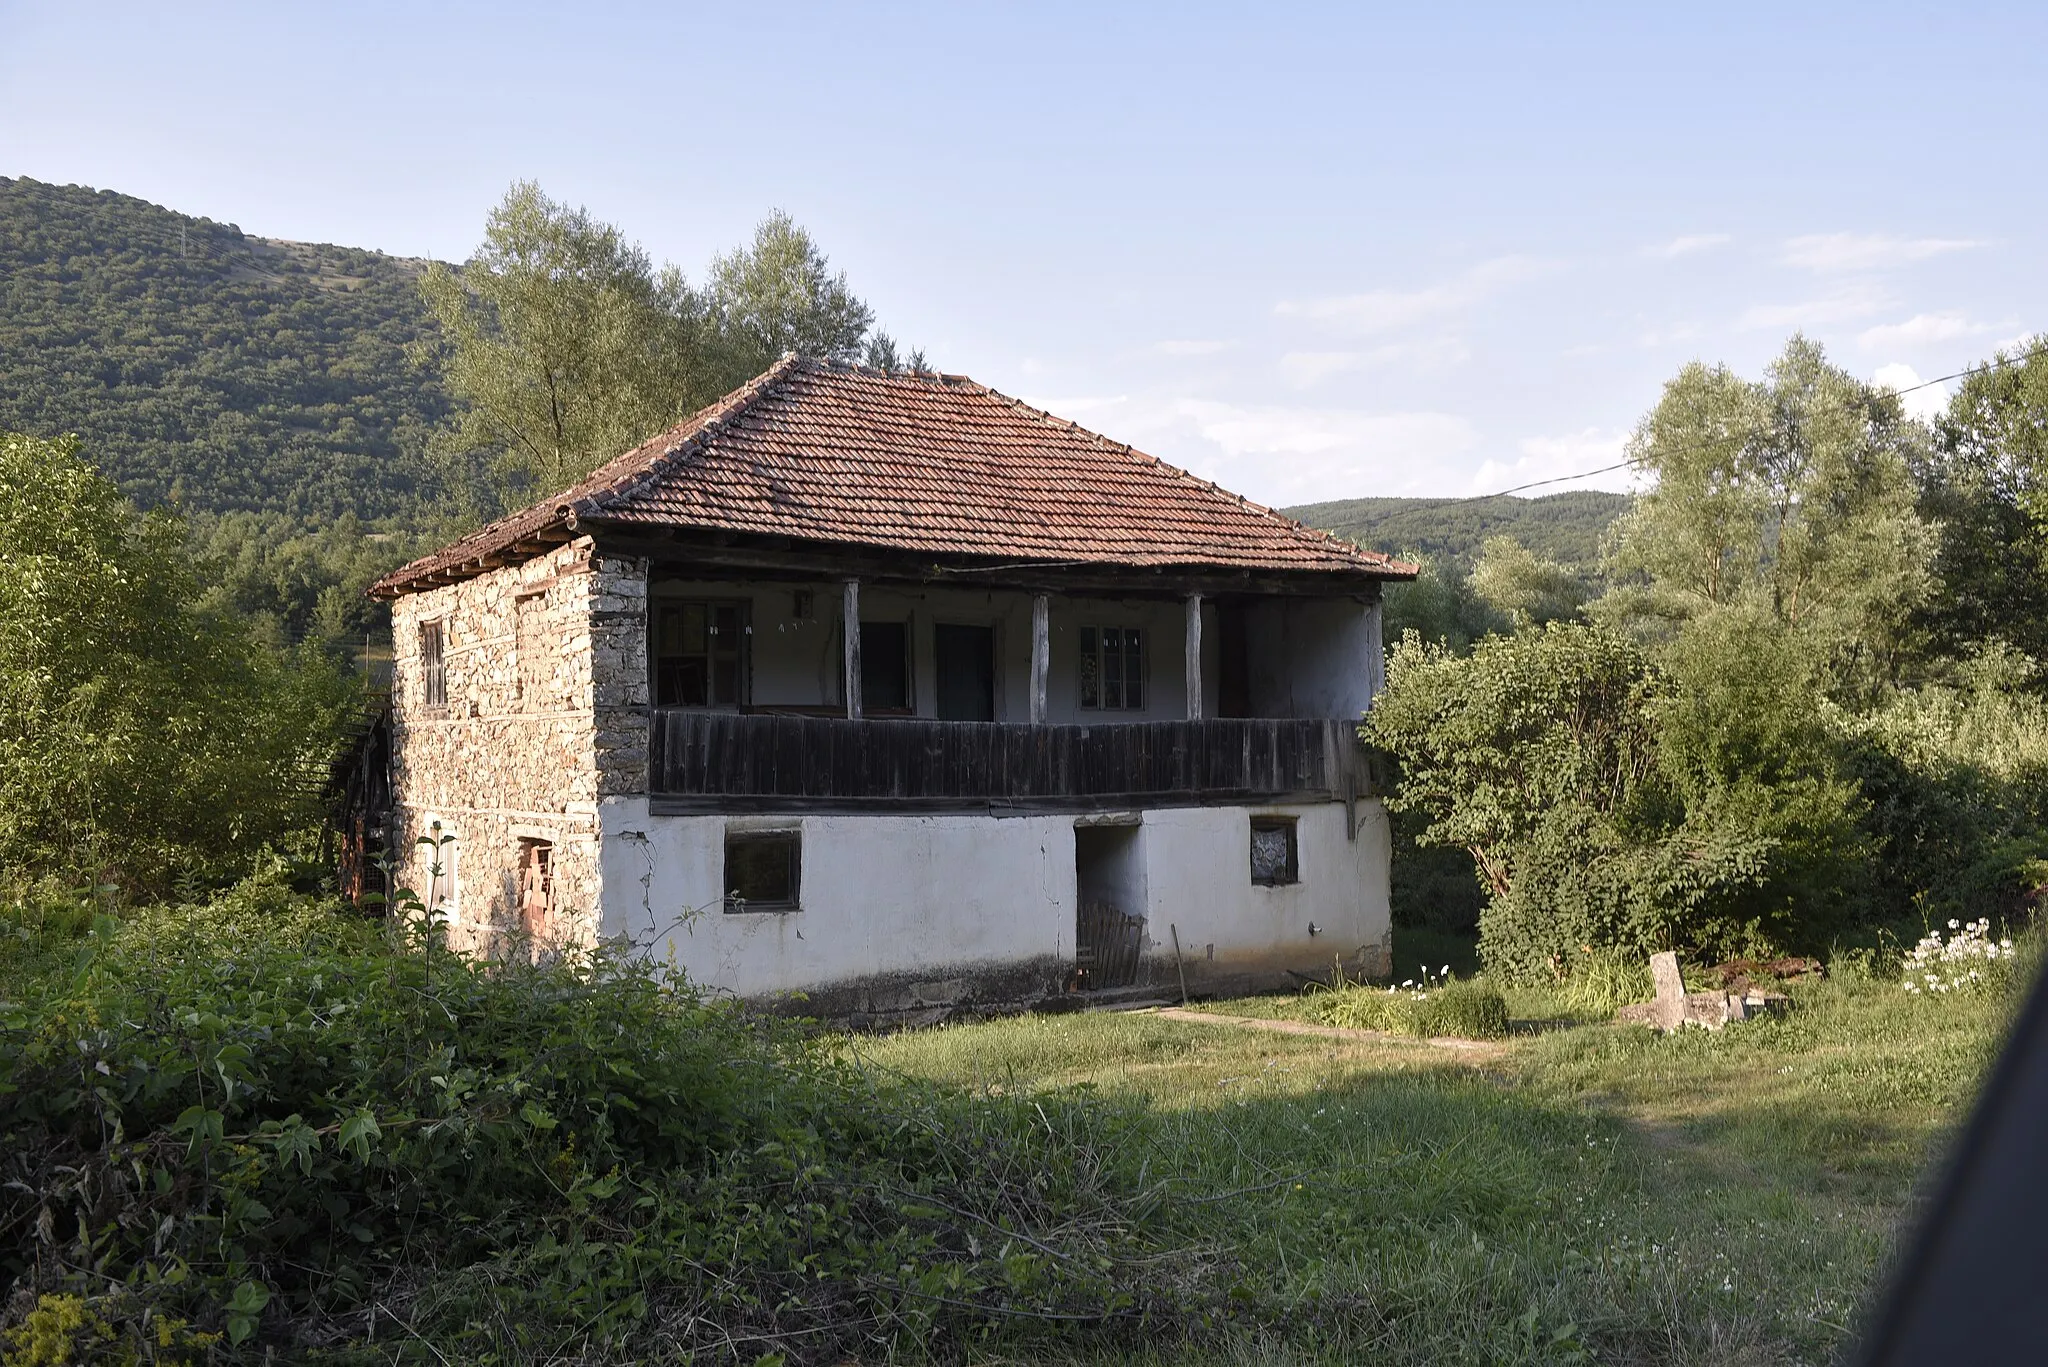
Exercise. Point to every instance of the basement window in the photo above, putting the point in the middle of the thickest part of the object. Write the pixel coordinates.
(1113, 669)
(762, 870)
(1276, 858)
(433, 672)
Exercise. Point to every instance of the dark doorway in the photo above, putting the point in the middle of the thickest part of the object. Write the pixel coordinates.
(1109, 930)
(966, 660)
(884, 667)
(1233, 663)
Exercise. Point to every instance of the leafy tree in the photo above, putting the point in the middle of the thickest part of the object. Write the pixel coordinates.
(1984, 486)
(1526, 588)
(142, 736)
(1794, 493)
(564, 342)
(779, 293)
(1439, 605)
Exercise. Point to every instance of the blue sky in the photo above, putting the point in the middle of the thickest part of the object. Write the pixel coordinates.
(1308, 251)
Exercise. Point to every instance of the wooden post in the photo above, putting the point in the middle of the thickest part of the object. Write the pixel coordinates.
(1194, 657)
(850, 631)
(1041, 654)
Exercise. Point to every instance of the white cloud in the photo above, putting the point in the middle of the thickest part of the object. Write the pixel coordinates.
(1865, 251)
(1558, 458)
(1189, 347)
(1277, 454)
(1848, 305)
(1379, 311)
(1920, 328)
(1302, 369)
(1921, 403)
(1687, 245)
(1662, 337)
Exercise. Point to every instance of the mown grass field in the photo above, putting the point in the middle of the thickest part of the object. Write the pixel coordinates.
(1574, 1194)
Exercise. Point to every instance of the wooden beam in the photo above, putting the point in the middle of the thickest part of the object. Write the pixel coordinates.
(1194, 656)
(850, 632)
(1041, 654)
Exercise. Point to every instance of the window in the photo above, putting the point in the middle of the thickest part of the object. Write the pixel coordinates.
(762, 870)
(1275, 857)
(885, 666)
(433, 673)
(537, 887)
(700, 654)
(1113, 668)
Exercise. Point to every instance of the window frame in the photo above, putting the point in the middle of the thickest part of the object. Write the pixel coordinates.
(744, 666)
(1135, 647)
(731, 903)
(1291, 826)
(434, 664)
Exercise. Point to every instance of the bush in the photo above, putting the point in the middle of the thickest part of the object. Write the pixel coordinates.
(1467, 1008)
(1612, 804)
(259, 1120)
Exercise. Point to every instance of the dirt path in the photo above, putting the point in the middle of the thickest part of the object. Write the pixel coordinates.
(1471, 1048)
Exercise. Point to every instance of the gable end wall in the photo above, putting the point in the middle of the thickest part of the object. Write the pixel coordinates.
(524, 748)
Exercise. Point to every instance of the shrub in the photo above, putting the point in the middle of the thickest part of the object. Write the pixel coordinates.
(1469, 1008)
(261, 1121)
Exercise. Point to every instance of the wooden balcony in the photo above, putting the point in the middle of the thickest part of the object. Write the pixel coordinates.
(730, 762)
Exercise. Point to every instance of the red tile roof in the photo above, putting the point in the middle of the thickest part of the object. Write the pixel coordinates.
(918, 463)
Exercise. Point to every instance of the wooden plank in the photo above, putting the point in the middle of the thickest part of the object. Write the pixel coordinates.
(1194, 656)
(849, 631)
(1041, 653)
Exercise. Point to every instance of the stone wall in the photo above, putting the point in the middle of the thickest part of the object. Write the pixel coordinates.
(545, 667)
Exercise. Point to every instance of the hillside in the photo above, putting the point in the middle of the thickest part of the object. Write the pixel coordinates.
(201, 364)
(1563, 527)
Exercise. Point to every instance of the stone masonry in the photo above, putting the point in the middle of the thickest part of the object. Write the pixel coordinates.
(546, 713)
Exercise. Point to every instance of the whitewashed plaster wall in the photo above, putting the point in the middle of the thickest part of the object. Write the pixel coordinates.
(906, 911)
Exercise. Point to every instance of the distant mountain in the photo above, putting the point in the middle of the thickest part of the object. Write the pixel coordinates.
(200, 364)
(1563, 527)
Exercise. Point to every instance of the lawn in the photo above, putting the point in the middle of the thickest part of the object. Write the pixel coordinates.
(1584, 1193)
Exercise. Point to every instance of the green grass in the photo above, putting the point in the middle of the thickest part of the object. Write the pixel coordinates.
(1595, 1193)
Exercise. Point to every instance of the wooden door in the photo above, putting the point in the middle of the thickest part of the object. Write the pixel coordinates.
(965, 657)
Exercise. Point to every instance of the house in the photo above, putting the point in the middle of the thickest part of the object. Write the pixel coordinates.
(890, 690)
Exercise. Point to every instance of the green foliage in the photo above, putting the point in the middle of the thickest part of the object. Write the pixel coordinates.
(210, 368)
(1611, 804)
(1461, 1008)
(1566, 528)
(1526, 588)
(141, 734)
(779, 293)
(1983, 486)
(565, 344)
(292, 587)
(1793, 495)
(256, 1118)
(1439, 606)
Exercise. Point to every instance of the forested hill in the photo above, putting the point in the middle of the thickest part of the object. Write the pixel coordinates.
(1561, 527)
(201, 364)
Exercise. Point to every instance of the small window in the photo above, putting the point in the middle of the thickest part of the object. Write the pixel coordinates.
(537, 888)
(1113, 668)
(700, 654)
(885, 666)
(1276, 858)
(762, 870)
(433, 673)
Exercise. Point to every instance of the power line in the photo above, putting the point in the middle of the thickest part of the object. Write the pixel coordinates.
(1987, 366)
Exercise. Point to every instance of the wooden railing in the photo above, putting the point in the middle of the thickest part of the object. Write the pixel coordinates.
(725, 761)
